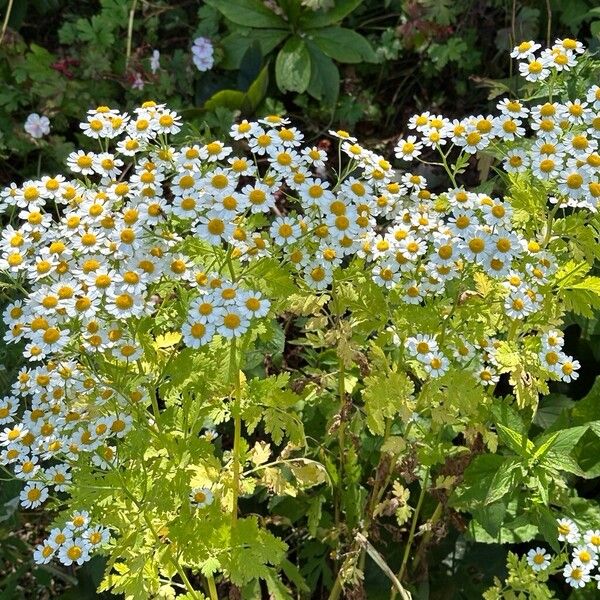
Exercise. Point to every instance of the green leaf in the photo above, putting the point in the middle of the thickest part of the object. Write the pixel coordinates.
(257, 91)
(477, 481)
(292, 67)
(307, 472)
(545, 520)
(277, 589)
(252, 549)
(275, 407)
(293, 574)
(503, 481)
(584, 411)
(550, 408)
(343, 45)
(517, 442)
(540, 479)
(561, 441)
(562, 462)
(583, 297)
(506, 415)
(248, 13)
(586, 454)
(385, 396)
(585, 512)
(513, 529)
(454, 49)
(231, 99)
(268, 344)
(580, 294)
(491, 517)
(272, 278)
(543, 447)
(313, 514)
(237, 43)
(324, 76)
(323, 18)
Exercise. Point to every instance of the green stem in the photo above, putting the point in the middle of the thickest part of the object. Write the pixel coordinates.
(336, 590)
(130, 33)
(342, 429)
(184, 577)
(212, 588)
(153, 398)
(549, 224)
(446, 166)
(6, 19)
(234, 371)
(341, 393)
(423, 545)
(413, 529)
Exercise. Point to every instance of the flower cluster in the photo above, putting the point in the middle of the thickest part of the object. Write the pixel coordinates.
(583, 548)
(562, 56)
(74, 542)
(551, 142)
(148, 228)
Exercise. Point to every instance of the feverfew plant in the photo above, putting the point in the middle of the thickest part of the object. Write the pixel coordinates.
(576, 562)
(383, 314)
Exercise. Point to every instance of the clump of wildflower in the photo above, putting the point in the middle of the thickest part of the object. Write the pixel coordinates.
(580, 553)
(73, 543)
(145, 224)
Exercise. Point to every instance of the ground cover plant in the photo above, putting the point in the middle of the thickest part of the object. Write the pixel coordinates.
(265, 367)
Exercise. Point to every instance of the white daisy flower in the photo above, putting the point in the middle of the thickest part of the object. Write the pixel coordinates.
(567, 531)
(34, 494)
(576, 575)
(538, 559)
(201, 497)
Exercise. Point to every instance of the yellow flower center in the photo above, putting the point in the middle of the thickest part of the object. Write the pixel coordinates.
(231, 321)
(574, 181)
(503, 244)
(74, 552)
(34, 494)
(285, 230)
(186, 182)
(318, 274)
(51, 335)
(477, 245)
(473, 138)
(445, 251)
(85, 161)
(124, 301)
(257, 196)
(535, 66)
(216, 226)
